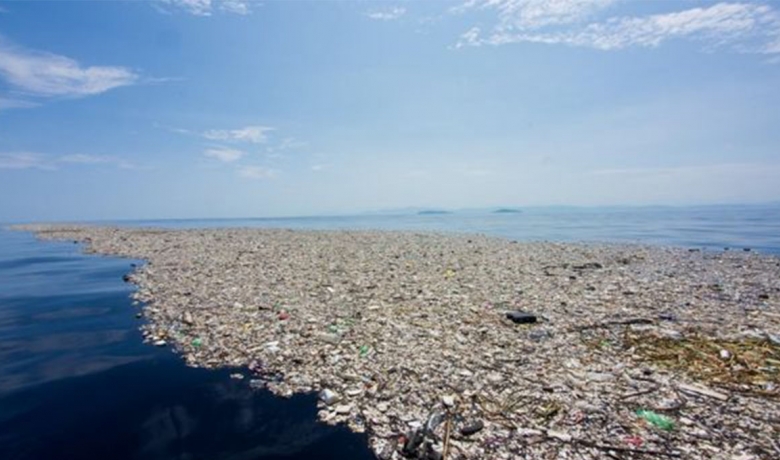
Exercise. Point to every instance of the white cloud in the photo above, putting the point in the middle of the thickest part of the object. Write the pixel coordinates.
(224, 154)
(318, 167)
(30, 160)
(470, 38)
(534, 14)
(235, 6)
(253, 134)
(85, 159)
(46, 74)
(207, 7)
(16, 104)
(743, 27)
(23, 160)
(387, 14)
(256, 172)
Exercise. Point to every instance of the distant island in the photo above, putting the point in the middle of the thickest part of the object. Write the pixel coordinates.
(507, 211)
(432, 212)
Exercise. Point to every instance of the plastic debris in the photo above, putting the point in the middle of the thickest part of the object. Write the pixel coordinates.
(472, 427)
(520, 317)
(329, 396)
(657, 420)
(429, 334)
(634, 441)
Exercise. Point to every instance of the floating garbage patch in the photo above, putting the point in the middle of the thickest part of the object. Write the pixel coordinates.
(470, 347)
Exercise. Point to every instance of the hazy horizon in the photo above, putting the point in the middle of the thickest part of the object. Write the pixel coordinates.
(239, 109)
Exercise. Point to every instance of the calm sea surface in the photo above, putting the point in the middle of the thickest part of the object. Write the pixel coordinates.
(76, 381)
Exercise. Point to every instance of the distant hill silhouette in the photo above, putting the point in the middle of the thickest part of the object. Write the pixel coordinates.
(507, 211)
(430, 212)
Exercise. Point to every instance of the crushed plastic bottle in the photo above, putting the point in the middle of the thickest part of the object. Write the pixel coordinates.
(659, 421)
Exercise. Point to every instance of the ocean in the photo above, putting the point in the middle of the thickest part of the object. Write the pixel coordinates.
(76, 381)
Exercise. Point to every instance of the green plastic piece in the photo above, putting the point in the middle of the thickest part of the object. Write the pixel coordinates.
(197, 342)
(363, 350)
(658, 420)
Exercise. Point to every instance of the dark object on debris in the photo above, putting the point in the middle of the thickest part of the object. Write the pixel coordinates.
(435, 419)
(471, 428)
(604, 324)
(763, 296)
(694, 250)
(746, 249)
(519, 317)
(667, 317)
(126, 278)
(413, 442)
(429, 453)
(587, 266)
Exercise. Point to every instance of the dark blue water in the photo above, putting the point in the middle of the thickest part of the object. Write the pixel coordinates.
(76, 381)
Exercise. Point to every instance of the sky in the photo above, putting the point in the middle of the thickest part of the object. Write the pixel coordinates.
(234, 108)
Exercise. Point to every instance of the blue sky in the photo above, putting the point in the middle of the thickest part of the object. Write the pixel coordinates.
(198, 108)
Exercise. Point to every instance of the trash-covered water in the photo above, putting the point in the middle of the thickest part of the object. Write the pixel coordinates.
(77, 382)
(712, 227)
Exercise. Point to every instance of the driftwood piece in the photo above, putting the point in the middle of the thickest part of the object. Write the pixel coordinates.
(702, 391)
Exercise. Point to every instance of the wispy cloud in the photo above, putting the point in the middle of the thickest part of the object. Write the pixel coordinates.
(224, 154)
(208, 7)
(291, 143)
(534, 14)
(387, 14)
(741, 27)
(256, 172)
(16, 104)
(86, 159)
(49, 75)
(235, 6)
(280, 149)
(23, 160)
(31, 160)
(685, 170)
(251, 134)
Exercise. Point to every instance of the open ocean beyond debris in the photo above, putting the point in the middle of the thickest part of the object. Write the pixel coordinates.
(76, 381)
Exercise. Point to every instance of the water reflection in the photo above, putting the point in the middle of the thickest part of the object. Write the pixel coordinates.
(158, 409)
